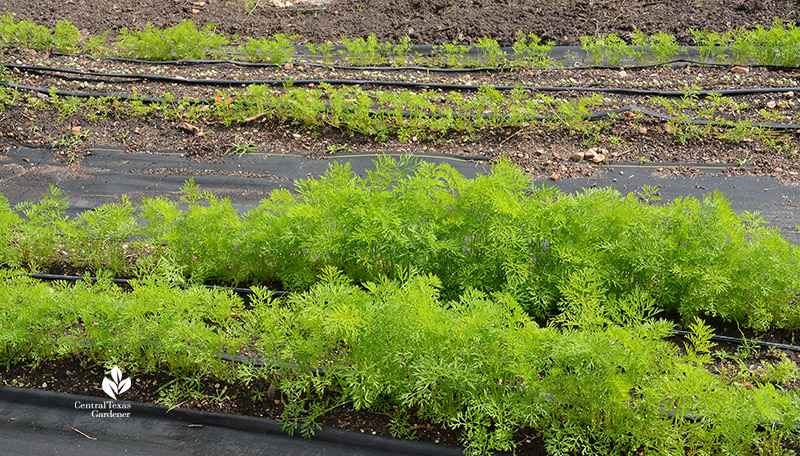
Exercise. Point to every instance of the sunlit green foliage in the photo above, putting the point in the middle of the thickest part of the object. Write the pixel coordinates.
(496, 232)
(476, 364)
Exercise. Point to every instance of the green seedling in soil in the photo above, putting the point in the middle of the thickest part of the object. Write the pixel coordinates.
(66, 106)
(711, 45)
(773, 116)
(658, 48)
(747, 375)
(247, 6)
(63, 37)
(490, 53)
(323, 51)
(741, 131)
(679, 125)
(182, 41)
(6, 76)
(776, 46)
(451, 55)
(23, 33)
(401, 51)
(242, 148)
(276, 50)
(96, 45)
(8, 97)
(75, 137)
(606, 49)
(529, 50)
(98, 108)
(336, 148)
(648, 194)
(743, 161)
(365, 52)
(100, 237)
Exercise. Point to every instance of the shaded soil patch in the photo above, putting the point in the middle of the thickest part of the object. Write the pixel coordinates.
(259, 399)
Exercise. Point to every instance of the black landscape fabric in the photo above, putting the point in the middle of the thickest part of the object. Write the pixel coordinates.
(25, 174)
(34, 422)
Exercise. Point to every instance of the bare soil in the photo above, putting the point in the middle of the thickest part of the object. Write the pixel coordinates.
(424, 21)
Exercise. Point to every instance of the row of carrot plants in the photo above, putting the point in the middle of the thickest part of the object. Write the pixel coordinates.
(476, 364)
(777, 45)
(493, 233)
(428, 115)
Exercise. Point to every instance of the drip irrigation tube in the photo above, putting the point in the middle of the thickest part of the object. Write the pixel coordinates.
(121, 96)
(509, 56)
(739, 341)
(405, 84)
(293, 62)
(70, 278)
(262, 362)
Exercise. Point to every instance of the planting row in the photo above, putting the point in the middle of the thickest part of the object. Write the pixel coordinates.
(492, 233)
(778, 45)
(476, 364)
(430, 115)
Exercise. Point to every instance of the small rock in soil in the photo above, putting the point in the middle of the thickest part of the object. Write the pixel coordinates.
(599, 158)
(577, 156)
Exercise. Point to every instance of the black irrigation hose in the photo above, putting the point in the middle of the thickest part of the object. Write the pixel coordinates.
(405, 84)
(594, 116)
(69, 278)
(577, 65)
(763, 426)
(262, 362)
(293, 62)
(738, 341)
(121, 96)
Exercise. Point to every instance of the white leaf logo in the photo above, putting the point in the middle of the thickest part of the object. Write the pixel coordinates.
(116, 385)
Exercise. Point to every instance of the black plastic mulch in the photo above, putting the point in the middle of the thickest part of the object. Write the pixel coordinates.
(34, 422)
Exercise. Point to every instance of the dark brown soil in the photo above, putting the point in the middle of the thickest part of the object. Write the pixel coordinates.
(259, 399)
(424, 21)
